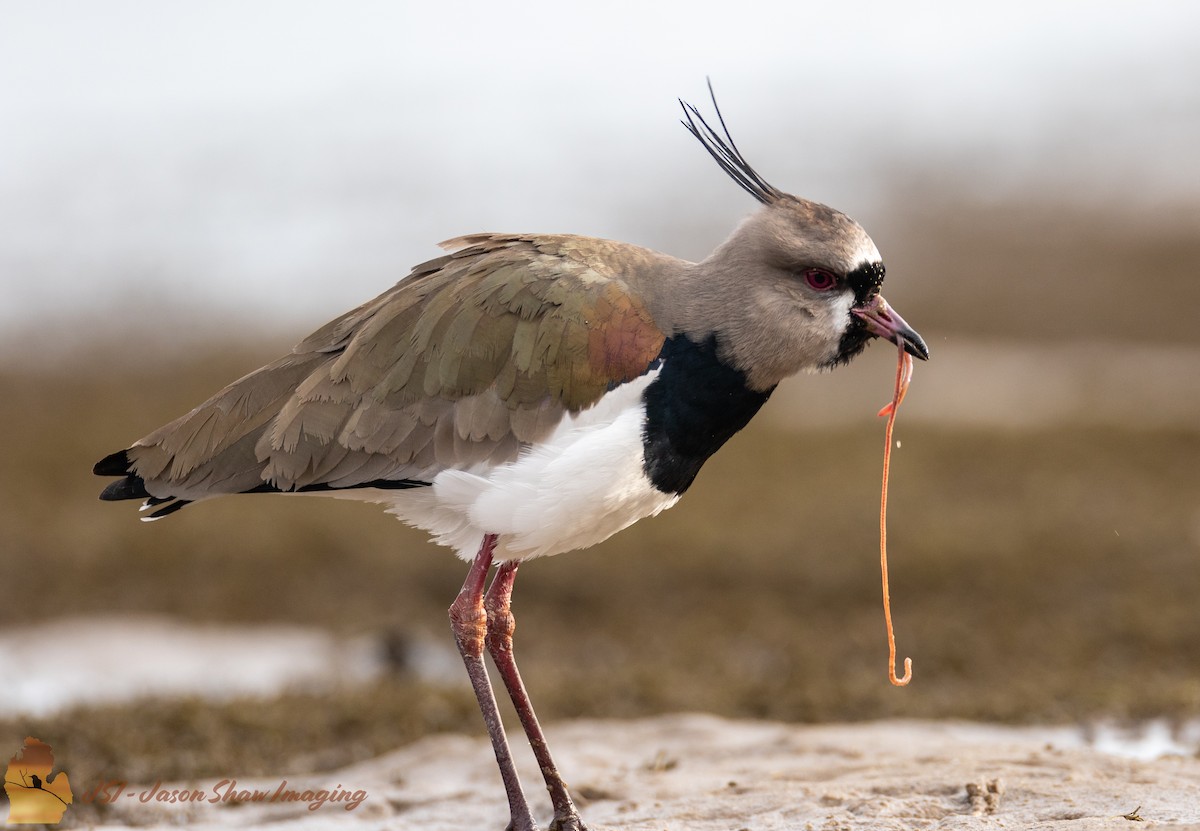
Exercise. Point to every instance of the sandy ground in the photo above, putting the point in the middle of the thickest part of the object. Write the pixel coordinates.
(700, 772)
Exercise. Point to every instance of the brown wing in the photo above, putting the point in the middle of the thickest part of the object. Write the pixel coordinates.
(472, 356)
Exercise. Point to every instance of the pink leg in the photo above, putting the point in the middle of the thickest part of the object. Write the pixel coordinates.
(500, 627)
(468, 620)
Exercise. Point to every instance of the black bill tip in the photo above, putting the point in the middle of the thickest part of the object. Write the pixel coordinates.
(913, 344)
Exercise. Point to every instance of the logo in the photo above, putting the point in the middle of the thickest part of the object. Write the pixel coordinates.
(35, 793)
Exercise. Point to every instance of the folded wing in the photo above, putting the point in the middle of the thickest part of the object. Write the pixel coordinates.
(471, 357)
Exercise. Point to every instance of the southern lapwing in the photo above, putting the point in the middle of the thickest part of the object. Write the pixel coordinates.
(528, 394)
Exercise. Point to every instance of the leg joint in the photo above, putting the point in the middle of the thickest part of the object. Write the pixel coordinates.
(500, 628)
(469, 623)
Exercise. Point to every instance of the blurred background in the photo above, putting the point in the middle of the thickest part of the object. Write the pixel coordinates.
(187, 189)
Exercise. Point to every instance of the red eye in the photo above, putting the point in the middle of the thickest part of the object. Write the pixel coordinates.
(820, 280)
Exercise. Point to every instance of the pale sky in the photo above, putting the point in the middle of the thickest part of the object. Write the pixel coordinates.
(284, 161)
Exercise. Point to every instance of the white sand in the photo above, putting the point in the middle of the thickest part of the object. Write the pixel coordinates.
(106, 659)
(699, 772)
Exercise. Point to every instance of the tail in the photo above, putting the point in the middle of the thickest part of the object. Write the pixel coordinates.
(132, 486)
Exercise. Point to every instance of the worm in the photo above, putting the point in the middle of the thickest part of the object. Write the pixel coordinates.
(904, 372)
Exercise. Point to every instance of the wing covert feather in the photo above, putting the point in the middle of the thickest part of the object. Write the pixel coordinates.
(472, 356)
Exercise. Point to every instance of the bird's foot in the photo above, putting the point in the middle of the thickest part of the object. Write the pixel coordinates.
(523, 825)
(569, 822)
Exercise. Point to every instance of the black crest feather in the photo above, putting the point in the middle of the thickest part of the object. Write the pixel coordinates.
(723, 149)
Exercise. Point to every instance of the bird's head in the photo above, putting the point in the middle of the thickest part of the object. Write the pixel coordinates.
(807, 278)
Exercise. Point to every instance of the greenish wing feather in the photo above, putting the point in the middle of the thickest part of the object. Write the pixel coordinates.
(472, 356)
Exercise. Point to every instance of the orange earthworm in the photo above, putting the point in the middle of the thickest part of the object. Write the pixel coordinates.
(904, 372)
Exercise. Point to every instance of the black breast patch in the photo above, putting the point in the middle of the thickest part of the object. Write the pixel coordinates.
(694, 406)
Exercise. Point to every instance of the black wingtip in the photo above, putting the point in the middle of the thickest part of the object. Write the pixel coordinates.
(114, 464)
(131, 487)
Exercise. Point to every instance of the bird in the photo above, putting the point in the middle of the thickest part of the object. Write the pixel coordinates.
(524, 395)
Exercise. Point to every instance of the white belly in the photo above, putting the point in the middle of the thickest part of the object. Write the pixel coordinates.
(584, 484)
